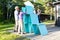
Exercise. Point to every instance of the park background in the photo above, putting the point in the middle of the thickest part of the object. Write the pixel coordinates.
(7, 15)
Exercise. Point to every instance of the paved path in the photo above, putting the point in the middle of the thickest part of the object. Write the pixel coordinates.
(54, 34)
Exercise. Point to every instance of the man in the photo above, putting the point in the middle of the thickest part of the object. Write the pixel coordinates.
(16, 18)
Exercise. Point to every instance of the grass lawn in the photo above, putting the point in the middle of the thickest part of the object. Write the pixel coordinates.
(49, 22)
(4, 35)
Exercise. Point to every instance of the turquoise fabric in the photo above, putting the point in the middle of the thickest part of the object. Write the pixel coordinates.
(31, 23)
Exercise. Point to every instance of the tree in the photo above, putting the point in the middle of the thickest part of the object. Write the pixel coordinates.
(47, 4)
(3, 4)
(7, 9)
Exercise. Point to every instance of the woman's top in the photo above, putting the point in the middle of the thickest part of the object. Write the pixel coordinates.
(21, 15)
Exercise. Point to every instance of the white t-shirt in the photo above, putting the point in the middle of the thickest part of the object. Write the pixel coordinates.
(16, 14)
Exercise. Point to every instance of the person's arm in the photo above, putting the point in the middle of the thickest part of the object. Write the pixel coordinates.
(37, 13)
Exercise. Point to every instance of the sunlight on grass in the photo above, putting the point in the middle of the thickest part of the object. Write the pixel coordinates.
(4, 35)
(49, 22)
(6, 27)
(7, 36)
(11, 36)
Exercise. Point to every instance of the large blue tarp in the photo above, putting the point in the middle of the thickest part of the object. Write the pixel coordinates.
(31, 23)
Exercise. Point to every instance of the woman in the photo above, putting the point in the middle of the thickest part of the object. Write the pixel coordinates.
(20, 28)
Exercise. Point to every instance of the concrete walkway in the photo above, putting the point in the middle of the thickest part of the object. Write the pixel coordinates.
(54, 34)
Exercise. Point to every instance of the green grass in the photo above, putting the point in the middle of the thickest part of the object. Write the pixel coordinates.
(6, 27)
(49, 22)
(4, 35)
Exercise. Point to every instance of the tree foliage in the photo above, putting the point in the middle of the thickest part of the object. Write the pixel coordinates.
(7, 7)
(48, 7)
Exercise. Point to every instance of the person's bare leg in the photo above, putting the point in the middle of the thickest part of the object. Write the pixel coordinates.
(21, 26)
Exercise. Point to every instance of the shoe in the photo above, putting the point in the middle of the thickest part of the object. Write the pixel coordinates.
(15, 30)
